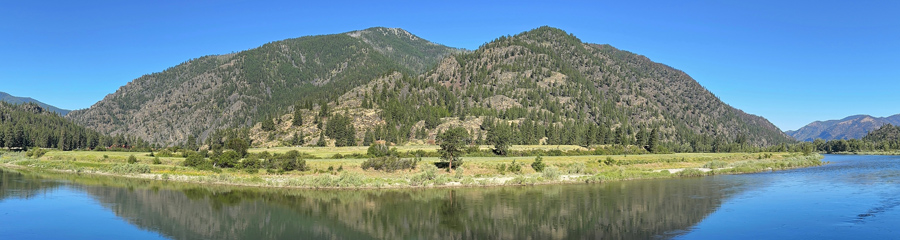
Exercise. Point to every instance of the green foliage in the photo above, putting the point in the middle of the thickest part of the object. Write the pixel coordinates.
(550, 173)
(538, 164)
(429, 173)
(576, 168)
(500, 136)
(609, 161)
(390, 163)
(132, 159)
(321, 142)
(30, 126)
(289, 161)
(156, 161)
(239, 145)
(691, 172)
(297, 119)
(340, 128)
(194, 160)
(228, 159)
(715, 164)
(515, 167)
(35, 153)
(452, 143)
(885, 138)
(129, 168)
(268, 124)
(250, 165)
(381, 150)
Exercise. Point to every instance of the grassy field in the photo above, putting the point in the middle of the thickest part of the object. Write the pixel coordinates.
(476, 171)
(326, 152)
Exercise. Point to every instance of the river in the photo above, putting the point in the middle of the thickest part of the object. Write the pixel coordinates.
(853, 197)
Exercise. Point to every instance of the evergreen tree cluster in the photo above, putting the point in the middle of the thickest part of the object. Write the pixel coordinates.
(885, 138)
(340, 128)
(28, 125)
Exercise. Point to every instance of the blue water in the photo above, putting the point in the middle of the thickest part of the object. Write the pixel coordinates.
(853, 197)
(64, 213)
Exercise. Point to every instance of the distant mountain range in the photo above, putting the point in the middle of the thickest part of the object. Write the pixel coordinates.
(20, 100)
(852, 127)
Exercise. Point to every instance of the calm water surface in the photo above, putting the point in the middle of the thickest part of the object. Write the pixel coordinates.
(855, 197)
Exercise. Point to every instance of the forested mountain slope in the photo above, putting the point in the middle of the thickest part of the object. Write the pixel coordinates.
(223, 91)
(545, 86)
(5, 97)
(546, 75)
(29, 125)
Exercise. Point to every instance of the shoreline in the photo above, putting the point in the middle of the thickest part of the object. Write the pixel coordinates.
(424, 177)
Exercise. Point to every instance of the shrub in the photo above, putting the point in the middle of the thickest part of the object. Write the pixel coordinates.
(194, 160)
(576, 168)
(609, 161)
(538, 164)
(132, 159)
(515, 167)
(715, 164)
(551, 173)
(156, 160)
(691, 172)
(35, 152)
(337, 156)
(390, 163)
(164, 153)
(289, 161)
(428, 173)
(228, 159)
(250, 165)
(381, 150)
(130, 168)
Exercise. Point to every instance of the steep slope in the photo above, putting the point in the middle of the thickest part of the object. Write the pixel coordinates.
(5, 97)
(215, 92)
(552, 88)
(852, 127)
(29, 125)
(546, 71)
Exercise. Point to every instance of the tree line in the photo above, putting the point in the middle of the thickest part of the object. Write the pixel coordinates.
(28, 125)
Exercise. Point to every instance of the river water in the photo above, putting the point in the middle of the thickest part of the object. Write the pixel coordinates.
(854, 197)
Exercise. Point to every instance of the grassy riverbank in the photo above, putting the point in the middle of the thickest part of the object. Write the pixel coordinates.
(477, 171)
(890, 153)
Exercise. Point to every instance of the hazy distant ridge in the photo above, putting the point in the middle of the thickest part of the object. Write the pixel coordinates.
(20, 100)
(852, 127)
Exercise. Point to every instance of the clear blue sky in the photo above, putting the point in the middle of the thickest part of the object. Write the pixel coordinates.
(792, 62)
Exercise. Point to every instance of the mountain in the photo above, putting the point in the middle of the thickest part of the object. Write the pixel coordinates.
(549, 85)
(202, 95)
(852, 127)
(547, 70)
(29, 125)
(5, 97)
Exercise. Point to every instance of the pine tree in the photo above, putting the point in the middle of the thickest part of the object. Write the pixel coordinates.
(654, 141)
(298, 119)
(268, 125)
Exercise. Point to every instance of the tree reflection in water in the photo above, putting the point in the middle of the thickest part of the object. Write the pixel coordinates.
(630, 209)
